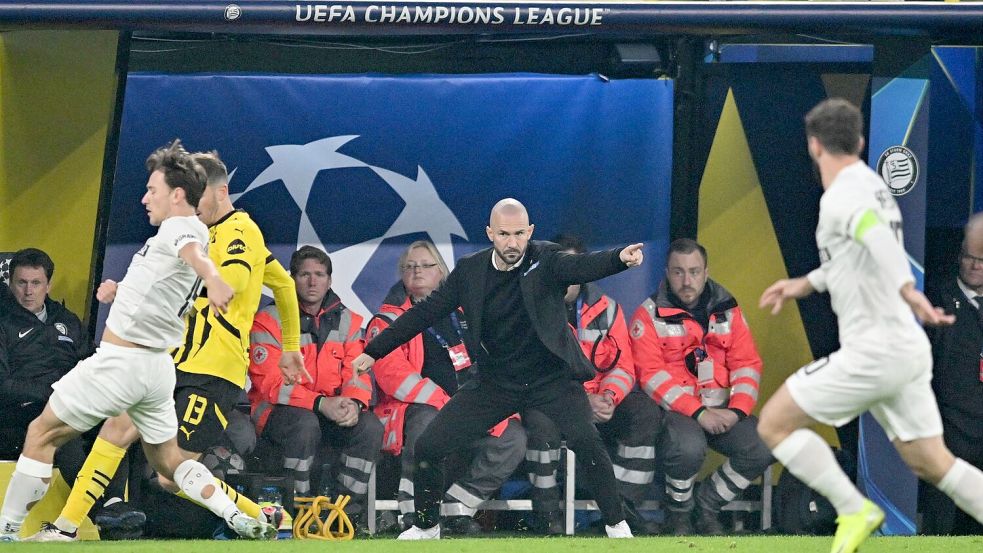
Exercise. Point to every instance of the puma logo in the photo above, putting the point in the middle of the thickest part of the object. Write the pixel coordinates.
(187, 433)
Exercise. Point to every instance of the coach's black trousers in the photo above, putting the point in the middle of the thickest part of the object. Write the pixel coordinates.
(481, 404)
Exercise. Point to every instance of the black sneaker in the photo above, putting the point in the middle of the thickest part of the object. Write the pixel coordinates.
(679, 523)
(708, 523)
(119, 521)
(386, 522)
(547, 523)
(640, 525)
(460, 526)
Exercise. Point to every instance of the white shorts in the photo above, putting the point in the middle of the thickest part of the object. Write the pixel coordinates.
(896, 389)
(117, 379)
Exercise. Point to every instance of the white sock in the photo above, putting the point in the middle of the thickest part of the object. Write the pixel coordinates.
(964, 484)
(809, 458)
(195, 480)
(27, 486)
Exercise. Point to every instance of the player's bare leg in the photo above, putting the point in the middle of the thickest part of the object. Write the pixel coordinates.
(201, 487)
(783, 427)
(932, 461)
(32, 475)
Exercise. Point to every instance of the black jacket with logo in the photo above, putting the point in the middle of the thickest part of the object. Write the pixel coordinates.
(35, 354)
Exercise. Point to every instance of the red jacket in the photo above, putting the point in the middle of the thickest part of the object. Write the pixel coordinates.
(399, 376)
(663, 336)
(329, 342)
(603, 336)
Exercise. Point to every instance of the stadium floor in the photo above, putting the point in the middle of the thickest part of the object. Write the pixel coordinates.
(767, 544)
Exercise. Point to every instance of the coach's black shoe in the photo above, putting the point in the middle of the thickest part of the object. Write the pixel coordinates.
(460, 526)
(119, 521)
(679, 523)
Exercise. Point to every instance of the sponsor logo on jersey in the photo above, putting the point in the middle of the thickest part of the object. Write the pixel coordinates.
(236, 247)
(186, 236)
(899, 169)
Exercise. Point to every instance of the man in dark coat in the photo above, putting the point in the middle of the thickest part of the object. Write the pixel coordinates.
(527, 356)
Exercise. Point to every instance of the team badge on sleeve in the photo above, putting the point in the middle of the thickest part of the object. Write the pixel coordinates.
(260, 354)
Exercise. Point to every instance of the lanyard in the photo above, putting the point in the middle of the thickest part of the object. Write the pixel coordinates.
(457, 328)
(580, 306)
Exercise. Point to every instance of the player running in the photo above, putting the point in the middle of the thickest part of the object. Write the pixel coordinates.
(884, 364)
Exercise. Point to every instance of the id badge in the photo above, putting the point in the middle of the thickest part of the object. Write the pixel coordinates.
(704, 372)
(459, 357)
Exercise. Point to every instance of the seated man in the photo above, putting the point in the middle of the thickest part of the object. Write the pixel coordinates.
(626, 418)
(329, 407)
(694, 354)
(418, 378)
(40, 341)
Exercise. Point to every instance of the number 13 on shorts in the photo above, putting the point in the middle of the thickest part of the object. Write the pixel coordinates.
(195, 410)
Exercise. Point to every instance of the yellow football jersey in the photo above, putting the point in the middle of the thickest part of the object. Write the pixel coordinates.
(217, 344)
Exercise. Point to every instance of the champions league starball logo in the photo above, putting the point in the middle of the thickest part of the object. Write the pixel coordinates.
(298, 168)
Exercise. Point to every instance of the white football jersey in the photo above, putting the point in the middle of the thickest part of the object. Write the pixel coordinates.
(871, 313)
(159, 287)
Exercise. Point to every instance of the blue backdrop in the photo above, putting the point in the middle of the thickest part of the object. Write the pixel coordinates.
(361, 165)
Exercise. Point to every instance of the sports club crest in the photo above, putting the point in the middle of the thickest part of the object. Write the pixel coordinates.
(898, 166)
(299, 168)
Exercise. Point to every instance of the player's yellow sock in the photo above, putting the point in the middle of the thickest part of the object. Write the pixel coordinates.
(91, 482)
(248, 507)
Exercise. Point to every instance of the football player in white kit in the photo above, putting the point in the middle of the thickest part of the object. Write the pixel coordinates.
(884, 364)
(131, 370)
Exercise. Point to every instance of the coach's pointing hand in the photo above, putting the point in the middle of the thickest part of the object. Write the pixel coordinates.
(632, 255)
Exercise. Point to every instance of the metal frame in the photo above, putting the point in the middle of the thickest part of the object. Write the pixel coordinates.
(570, 504)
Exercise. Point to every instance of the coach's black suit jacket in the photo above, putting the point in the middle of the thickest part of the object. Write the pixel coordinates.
(546, 273)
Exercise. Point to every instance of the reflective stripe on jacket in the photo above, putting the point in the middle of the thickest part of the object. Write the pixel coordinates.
(603, 335)
(328, 355)
(663, 336)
